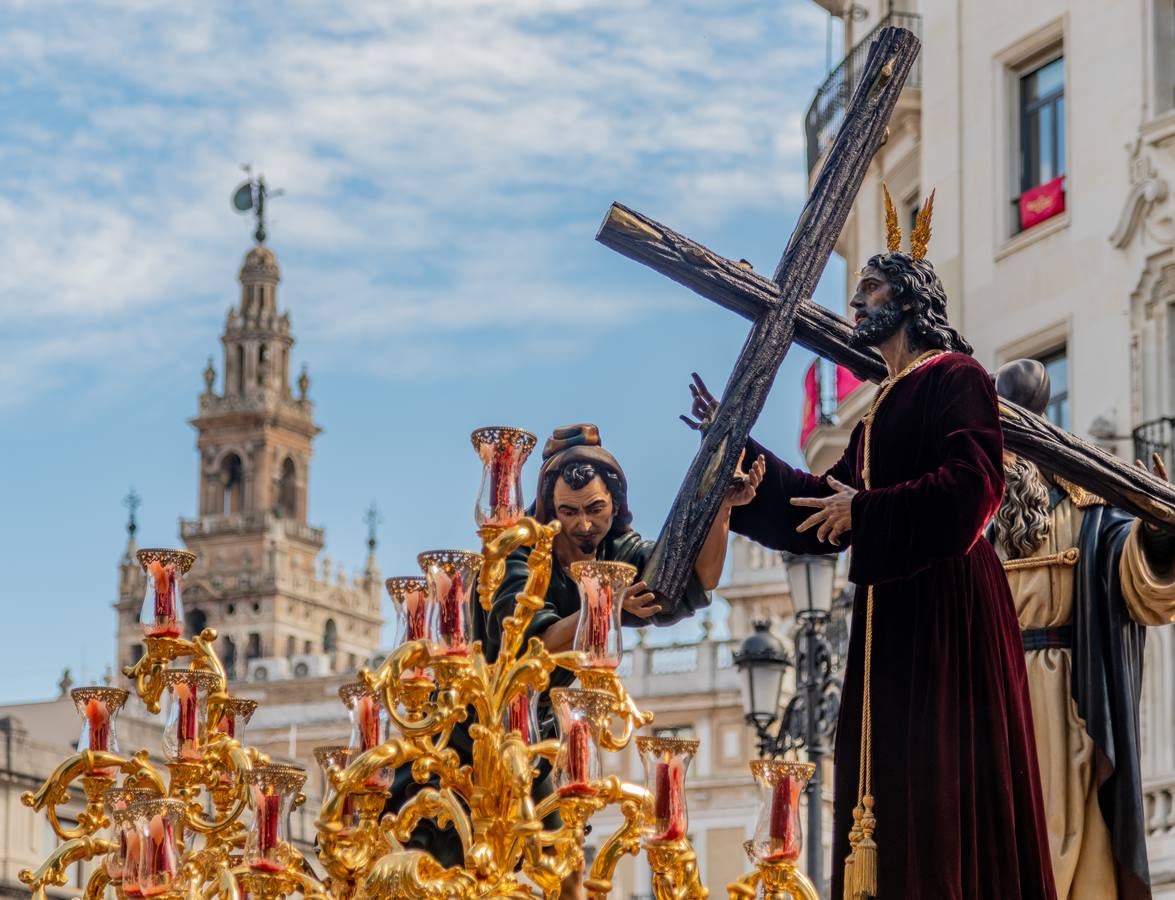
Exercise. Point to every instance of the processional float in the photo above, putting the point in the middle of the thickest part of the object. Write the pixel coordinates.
(211, 819)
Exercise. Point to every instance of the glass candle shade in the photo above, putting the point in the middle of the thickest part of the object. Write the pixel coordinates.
(185, 734)
(158, 823)
(229, 716)
(117, 801)
(451, 575)
(337, 756)
(409, 595)
(503, 451)
(601, 598)
(521, 715)
(272, 790)
(581, 714)
(666, 761)
(98, 708)
(162, 615)
(369, 726)
(778, 833)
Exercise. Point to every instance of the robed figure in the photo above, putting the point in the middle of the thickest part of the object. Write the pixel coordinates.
(945, 786)
(1086, 579)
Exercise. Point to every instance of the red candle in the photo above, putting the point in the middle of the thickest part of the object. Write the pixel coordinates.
(783, 827)
(162, 858)
(501, 482)
(668, 805)
(268, 817)
(99, 718)
(130, 872)
(187, 736)
(600, 612)
(165, 583)
(414, 609)
(368, 712)
(452, 614)
(578, 760)
(519, 712)
(228, 724)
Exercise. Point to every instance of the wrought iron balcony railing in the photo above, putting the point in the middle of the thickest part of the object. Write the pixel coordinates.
(828, 106)
(1156, 436)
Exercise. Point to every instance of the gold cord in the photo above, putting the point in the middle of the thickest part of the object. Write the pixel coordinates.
(861, 863)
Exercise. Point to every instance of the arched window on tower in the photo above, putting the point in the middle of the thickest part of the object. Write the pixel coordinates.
(330, 637)
(262, 363)
(287, 491)
(232, 484)
(240, 369)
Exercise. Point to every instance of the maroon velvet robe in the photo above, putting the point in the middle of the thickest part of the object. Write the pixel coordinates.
(955, 778)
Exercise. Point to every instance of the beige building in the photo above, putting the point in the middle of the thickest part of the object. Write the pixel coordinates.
(1047, 131)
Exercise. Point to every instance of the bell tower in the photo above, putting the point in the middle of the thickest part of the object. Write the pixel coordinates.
(260, 578)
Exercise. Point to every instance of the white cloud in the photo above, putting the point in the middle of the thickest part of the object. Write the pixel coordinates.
(430, 150)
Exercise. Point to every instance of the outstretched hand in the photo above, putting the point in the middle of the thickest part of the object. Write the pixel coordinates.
(834, 514)
(704, 406)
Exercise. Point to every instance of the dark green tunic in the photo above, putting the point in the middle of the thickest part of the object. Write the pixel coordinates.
(562, 598)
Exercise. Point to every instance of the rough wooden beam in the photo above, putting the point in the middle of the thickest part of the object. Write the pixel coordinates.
(819, 225)
(738, 288)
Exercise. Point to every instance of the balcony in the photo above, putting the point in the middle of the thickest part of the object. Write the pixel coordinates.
(828, 107)
(1156, 436)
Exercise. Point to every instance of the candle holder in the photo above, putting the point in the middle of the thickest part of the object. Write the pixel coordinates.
(158, 822)
(118, 800)
(450, 574)
(601, 598)
(162, 615)
(410, 597)
(666, 761)
(779, 835)
(581, 714)
(230, 715)
(185, 734)
(337, 756)
(98, 708)
(369, 727)
(503, 451)
(272, 790)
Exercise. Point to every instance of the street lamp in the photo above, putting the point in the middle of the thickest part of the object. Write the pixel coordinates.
(810, 716)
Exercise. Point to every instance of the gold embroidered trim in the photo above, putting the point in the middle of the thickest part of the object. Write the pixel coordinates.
(1081, 498)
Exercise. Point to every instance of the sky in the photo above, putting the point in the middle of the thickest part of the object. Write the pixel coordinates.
(446, 165)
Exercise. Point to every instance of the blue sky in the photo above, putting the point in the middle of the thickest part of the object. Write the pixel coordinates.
(446, 165)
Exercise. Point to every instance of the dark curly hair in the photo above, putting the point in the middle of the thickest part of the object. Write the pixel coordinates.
(914, 281)
(579, 474)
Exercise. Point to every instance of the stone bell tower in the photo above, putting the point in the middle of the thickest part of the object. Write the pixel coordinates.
(281, 610)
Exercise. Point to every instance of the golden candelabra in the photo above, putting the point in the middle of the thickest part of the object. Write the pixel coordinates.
(156, 838)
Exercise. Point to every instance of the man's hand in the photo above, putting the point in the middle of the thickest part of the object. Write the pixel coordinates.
(1159, 470)
(743, 485)
(640, 601)
(704, 407)
(834, 514)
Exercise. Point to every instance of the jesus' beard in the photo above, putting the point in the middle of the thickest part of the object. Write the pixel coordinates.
(1022, 523)
(878, 326)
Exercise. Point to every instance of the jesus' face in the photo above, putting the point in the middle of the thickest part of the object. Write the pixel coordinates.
(585, 515)
(876, 314)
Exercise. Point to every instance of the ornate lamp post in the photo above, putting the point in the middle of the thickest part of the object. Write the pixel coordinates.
(810, 716)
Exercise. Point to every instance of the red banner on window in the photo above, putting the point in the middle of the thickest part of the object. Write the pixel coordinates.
(811, 414)
(846, 383)
(1042, 202)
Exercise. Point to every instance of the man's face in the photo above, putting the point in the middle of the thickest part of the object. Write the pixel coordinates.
(585, 514)
(876, 315)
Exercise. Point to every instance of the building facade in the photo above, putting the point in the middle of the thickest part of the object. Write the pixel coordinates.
(1046, 130)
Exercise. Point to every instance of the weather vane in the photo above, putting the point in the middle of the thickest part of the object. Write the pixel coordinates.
(131, 501)
(372, 518)
(251, 196)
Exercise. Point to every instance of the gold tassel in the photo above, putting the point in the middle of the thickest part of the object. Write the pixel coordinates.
(865, 865)
(851, 860)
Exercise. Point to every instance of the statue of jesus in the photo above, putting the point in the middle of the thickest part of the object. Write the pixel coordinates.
(937, 790)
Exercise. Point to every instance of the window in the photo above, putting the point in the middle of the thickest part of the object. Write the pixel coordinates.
(1057, 366)
(231, 484)
(291, 645)
(253, 648)
(287, 491)
(1164, 55)
(197, 622)
(1040, 193)
(674, 731)
(330, 637)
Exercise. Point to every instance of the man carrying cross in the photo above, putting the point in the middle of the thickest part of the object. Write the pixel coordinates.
(937, 790)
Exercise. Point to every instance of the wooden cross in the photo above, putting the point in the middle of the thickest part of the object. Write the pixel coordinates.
(779, 309)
